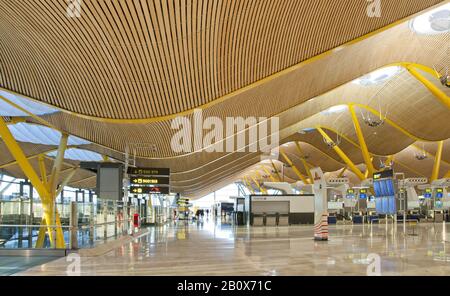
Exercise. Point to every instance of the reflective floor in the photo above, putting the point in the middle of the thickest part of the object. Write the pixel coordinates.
(216, 249)
(13, 264)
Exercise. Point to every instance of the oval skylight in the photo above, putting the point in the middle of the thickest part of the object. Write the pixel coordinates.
(379, 76)
(29, 105)
(79, 155)
(434, 22)
(38, 134)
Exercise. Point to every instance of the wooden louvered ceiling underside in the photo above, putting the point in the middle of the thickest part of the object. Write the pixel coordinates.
(89, 66)
(150, 58)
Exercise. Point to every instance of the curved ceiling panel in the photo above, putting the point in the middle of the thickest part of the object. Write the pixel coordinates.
(142, 59)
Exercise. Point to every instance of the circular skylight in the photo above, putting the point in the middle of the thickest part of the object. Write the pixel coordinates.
(379, 76)
(434, 22)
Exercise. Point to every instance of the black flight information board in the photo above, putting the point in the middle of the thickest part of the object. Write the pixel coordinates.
(149, 172)
(149, 180)
(149, 190)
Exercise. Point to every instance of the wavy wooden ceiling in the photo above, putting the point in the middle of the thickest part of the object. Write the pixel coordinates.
(106, 64)
(143, 59)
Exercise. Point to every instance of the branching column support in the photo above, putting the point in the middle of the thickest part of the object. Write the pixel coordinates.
(248, 185)
(262, 189)
(43, 190)
(268, 173)
(342, 155)
(294, 168)
(276, 170)
(305, 164)
(362, 142)
(437, 162)
(342, 172)
(436, 91)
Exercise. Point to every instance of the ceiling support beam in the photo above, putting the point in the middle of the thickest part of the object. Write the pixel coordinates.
(389, 161)
(257, 184)
(342, 172)
(269, 173)
(58, 163)
(44, 193)
(258, 175)
(362, 142)
(305, 164)
(66, 181)
(436, 91)
(437, 162)
(294, 168)
(276, 170)
(42, 169)
(248, 185)
(342, 155)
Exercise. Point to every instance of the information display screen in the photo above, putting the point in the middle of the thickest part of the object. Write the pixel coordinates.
(439, 193)
(385, 195)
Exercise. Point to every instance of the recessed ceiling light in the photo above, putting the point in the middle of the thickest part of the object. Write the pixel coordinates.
(436, 21)
(379, 76)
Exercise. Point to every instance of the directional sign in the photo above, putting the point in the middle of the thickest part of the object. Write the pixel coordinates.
(149, 172)
(150, 181)
(149, 190)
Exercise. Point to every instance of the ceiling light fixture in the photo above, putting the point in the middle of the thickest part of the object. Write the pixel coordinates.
(434, 22)
(379, 76)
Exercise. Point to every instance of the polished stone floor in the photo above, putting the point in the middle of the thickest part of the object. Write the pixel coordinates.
(13, 264)
(216, 249)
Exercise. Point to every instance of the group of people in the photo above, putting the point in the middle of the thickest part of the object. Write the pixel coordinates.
(200, 213)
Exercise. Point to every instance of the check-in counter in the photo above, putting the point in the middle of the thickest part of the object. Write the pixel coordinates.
(281, 210)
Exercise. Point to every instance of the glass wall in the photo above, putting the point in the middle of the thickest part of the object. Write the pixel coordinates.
(21, 214)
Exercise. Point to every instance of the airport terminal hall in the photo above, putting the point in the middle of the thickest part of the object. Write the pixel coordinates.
(224, 138)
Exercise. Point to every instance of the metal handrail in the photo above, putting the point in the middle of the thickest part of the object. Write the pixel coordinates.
(35, 226)
(70, 227)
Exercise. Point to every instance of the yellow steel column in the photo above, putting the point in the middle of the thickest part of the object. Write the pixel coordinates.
(305, 164)
(28, 170)
(389, 160)
(294, 168)
(66, 181)
(58, 163)
(257, 184)
(342, 172)
(268, 173)
(362, 141)
(262, 189)
(438, 93)
(41, 160)
(60, 243)
(249, 186)
(276, 170)
(447, 175)
(342, 155)
(437, 162)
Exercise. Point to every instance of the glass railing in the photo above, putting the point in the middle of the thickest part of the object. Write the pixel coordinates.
(20, 222)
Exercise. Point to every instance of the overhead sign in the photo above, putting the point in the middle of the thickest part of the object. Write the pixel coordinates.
(149, 171)
(150, 181)
(149, 190)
